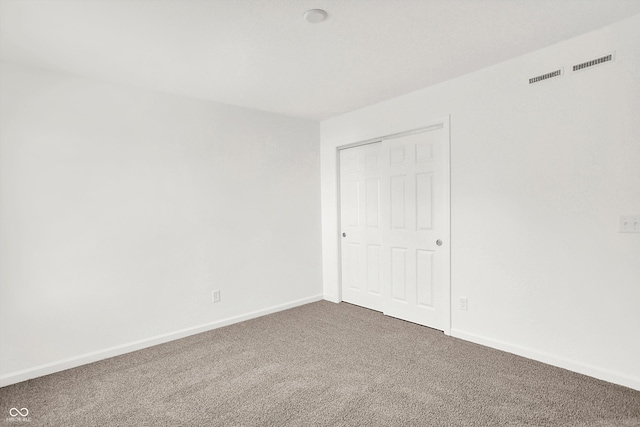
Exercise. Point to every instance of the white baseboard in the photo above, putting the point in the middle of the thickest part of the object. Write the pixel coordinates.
(332, 298)
(581, 368)
(83, 359)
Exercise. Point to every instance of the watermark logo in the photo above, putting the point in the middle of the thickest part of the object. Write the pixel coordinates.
(19, 415)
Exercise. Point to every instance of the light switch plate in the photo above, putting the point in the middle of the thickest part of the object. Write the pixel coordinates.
(630, 224)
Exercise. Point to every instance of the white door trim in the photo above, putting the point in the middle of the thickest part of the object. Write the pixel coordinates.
(443, 123)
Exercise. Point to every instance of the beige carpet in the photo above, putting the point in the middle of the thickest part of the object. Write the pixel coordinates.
(321, 364)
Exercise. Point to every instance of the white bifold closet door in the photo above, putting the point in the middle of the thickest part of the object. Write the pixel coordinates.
(394, 213)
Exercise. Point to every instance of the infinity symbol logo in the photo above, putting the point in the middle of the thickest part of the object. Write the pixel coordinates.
(14, 412)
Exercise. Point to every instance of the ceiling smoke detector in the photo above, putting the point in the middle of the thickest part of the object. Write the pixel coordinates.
(315, 16)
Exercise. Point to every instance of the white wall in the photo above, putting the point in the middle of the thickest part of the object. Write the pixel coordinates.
(539, 177)
(122, 209)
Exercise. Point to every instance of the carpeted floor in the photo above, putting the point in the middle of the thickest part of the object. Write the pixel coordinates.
(321, 364)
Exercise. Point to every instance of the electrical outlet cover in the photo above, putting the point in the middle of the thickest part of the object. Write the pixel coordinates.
(630, 224)
(215, 296)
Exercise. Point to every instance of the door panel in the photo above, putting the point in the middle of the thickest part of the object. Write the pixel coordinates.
(399, 274)
(420, 202)
(398, 202)
(374, 270)
(424, 279)
(373, 202)
(360, 222)
(424, 197)
(352, 263)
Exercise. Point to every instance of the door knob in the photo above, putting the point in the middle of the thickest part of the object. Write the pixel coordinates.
(344, 234)
(439, 242)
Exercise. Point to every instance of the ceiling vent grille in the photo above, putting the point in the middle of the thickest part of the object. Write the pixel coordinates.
(543, 77)
(594, 62)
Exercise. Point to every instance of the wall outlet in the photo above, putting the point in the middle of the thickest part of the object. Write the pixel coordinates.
(464, 304)
(215, 296)
(630, 224)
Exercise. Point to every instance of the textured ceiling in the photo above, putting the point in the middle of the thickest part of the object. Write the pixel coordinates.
(262, 54)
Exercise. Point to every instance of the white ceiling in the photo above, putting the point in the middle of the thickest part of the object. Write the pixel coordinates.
(262, 54)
